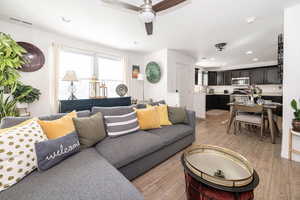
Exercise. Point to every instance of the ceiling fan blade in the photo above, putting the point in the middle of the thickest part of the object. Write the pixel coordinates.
(166, 4)
(121, 4)
(149, 28)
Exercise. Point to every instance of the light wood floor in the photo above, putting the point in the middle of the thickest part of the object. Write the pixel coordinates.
(279, 178)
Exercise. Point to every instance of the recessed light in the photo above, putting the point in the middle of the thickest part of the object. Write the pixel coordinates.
(66, 20)
(255, 59)
(250, 20)
(249, 52)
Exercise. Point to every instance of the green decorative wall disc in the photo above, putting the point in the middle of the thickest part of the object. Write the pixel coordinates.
(153, 72)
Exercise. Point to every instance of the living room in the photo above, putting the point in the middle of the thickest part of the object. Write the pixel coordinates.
(148, 96)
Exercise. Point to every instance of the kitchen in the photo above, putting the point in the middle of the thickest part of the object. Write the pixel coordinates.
(215, 89)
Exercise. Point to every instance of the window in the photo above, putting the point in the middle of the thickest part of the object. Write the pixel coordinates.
(112, 73)
(108, 70)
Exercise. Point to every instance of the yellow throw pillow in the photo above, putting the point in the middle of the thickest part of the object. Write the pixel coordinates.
(148, 118)
(163, 114)
(60, 127)
(19, 125)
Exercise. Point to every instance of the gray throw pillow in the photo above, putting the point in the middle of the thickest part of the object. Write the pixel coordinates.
(177, 115)
(90, 130)
(52, 152)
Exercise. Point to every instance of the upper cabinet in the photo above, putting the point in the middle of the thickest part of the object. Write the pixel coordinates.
(227, 77)
(272, 75)
(220, 78)
(258, 76)
(212, 78)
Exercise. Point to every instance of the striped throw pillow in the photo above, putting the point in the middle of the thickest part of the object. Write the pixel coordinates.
(121, 124)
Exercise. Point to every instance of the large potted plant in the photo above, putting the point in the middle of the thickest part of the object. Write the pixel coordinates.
(296, 120)
(10, 60)
(25, 94)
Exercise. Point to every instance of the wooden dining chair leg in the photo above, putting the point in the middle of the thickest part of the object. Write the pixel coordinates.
(276, 128)
(262, 132)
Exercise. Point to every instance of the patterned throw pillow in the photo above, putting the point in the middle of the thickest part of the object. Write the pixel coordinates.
(121, 124)
(17, 153)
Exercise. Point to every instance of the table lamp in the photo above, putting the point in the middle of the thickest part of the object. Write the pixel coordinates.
(71, 77)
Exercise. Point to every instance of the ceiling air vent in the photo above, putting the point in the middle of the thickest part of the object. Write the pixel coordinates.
(20, 21)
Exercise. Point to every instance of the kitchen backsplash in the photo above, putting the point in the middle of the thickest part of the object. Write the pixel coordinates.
(267, 89)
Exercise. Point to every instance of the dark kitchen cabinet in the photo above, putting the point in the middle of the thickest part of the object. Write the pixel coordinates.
(235, 74)
(245, 73)
(196, 76)
(272, 76)
(227, 78)
(220, 78)
(257, 76)
(217, 102)
(212, 78)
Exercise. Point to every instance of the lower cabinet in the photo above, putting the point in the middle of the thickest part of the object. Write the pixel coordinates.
(217, 102)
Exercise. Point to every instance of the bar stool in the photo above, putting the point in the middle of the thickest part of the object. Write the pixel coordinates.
(291, 150)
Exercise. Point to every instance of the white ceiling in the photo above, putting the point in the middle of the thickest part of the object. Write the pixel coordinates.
(193, 27)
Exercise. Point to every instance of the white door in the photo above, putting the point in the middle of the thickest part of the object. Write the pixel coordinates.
(185, 85)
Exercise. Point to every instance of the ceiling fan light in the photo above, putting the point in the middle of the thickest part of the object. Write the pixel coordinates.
(147, 16)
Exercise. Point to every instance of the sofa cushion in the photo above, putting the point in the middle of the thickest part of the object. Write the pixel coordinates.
(51, 152)
(122, 150)
(59, 127)
(90, 130)
(12, 121)
(171, 134)
(85, 175)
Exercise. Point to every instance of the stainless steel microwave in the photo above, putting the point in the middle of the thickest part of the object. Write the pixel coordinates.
(243, 81)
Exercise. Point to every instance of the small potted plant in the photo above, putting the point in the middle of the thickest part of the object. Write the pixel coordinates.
(296, 120)
(25, 94)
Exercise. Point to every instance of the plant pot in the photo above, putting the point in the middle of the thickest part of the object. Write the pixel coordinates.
(22, 105)
(296, 125)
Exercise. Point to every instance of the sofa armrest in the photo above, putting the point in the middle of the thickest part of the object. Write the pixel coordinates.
(191, 117)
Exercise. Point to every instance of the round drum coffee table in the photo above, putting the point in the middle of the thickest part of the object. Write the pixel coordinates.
(215, 173)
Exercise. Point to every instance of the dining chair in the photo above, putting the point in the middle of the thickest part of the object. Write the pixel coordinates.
(252, 115)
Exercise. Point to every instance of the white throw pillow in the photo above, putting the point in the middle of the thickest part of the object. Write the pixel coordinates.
(17, 152)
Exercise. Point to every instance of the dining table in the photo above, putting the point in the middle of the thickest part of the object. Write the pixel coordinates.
(268, 108)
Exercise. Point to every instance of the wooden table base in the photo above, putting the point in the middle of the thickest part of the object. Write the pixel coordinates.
(196, 190)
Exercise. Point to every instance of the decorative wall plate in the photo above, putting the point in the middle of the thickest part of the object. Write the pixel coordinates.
(34, 58)
(153, 72)
(121, 90)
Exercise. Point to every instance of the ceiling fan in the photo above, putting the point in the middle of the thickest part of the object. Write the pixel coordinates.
(147, 11)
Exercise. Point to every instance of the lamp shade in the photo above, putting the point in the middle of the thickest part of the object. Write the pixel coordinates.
(70, 76)
(140, 77)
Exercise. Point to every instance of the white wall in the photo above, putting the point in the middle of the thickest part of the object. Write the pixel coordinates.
(157, 91)
(42, 79)
(291, 79)
(166, 88)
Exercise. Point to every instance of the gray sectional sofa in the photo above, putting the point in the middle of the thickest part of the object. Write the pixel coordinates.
(103, 172)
